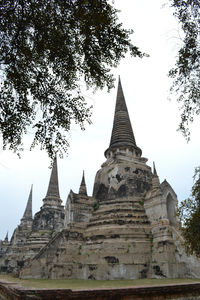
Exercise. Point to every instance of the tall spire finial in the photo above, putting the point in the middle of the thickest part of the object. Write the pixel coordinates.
(154, 169)
(83, 189)
(122, 133)
(155, 179)
(6, 238)
(53, 188)
(28, 210)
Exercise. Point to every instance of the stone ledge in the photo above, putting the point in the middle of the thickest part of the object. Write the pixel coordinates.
(13, 291)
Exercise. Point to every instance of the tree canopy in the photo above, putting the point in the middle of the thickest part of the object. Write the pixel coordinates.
(189, 213)
(186, 73)
(186, 84)
(46, 48)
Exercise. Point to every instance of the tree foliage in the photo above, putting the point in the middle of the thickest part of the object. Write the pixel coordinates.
(46, 48)
(186, 73)
(189, 213)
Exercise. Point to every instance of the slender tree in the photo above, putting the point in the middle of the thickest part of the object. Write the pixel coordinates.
(186, 83)
(186, 73)
(189, 213)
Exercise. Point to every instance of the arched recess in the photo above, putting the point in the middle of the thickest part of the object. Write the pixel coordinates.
(171, 209)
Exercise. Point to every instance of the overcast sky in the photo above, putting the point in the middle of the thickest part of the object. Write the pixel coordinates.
(154, 119)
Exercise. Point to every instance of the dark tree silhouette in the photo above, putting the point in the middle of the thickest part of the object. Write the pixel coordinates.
(46, 48)
(186, 76)
(189, 213)
(186, 73)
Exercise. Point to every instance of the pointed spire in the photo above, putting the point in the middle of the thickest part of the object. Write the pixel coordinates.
(53, 189)
(53, 194)
(83, 189)
(155, 179)
(6, 238)
(28, 210)
(122, 133)
(154, 169)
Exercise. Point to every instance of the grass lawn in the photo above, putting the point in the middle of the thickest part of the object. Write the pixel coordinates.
(76, 284)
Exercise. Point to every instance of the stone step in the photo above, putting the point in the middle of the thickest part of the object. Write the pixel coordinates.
(117, 216)
(121, 221)
(121, 200)
(114, 231)
(116, 208)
